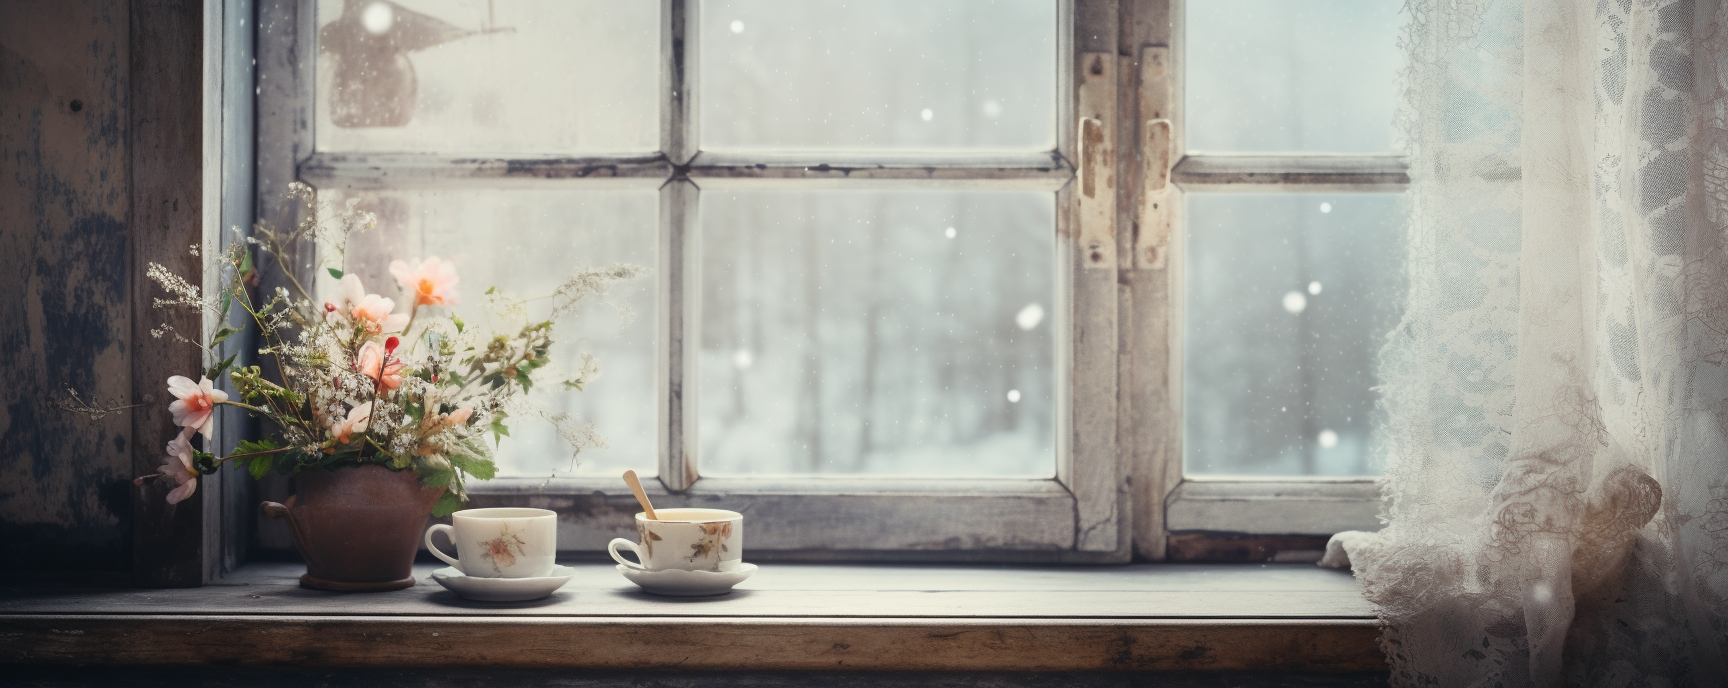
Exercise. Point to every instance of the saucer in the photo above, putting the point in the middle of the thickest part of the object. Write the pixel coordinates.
(687, 583)
(502, 589)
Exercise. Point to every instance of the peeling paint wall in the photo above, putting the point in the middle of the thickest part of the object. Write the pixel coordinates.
(65, 312)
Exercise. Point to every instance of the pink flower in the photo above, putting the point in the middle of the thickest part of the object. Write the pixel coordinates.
(179, 467)
(196, 405)
(433, 282)
(343, 429)
(459, 416)
(378, 364)
(371, 310)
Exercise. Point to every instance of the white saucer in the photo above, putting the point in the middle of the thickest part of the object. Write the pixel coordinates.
(502, 589)
(687, 583)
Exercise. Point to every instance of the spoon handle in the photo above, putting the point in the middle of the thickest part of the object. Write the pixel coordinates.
(641, 497)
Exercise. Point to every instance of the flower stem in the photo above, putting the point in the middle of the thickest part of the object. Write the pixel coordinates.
(248, 407)
(256, 453)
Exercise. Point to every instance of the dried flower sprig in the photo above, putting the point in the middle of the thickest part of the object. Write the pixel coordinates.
(71, 402)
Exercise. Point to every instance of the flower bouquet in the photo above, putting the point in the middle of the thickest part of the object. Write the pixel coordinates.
(397, 384)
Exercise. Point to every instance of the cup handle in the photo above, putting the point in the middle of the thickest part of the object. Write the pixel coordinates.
(450, 533)
(612, 549)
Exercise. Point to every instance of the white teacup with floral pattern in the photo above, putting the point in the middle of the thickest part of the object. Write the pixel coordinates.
(685, 539)
(500, 543)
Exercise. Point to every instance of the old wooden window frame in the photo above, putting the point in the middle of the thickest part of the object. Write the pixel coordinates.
(1079, 515)
(1119, 489)
(1169, 503)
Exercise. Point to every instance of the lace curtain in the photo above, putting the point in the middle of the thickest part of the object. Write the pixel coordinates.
(1555, 414)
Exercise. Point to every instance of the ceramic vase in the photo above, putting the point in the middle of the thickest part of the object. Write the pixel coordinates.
(358, 527)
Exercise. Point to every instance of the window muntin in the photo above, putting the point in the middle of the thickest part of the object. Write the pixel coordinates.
(459, 76)
(1283, 75)
(780, 75)
(878, 332)
(1290, 297)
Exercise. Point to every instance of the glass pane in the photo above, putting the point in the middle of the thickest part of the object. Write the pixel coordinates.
(1282, 75)
(526, 242)
(831, 74)
(878, 332)
(474, 76)
(1289, 298)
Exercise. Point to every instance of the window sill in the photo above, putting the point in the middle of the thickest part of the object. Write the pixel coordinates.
(1273, 617)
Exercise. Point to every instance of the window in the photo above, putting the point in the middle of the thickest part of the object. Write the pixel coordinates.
(865, 327)
(1291, 267)
(947, 281)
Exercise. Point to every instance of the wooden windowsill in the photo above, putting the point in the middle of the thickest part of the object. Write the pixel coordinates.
(1280, 617)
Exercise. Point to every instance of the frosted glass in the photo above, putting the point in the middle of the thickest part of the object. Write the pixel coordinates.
(1289, 298)
(1292, 75)
(526, 242)
(848, 332)
(913, 74)
(472, 76)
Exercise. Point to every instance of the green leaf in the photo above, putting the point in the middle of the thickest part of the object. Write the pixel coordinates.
(255, 446)
(459, 324)
(223, 334)
(476, 466)
(335, 273)
(260, 466)
(431, 476)
(215, 371)
(499, 430)
(245, 263)
(448, 503)
(489, 290)
(479, 468)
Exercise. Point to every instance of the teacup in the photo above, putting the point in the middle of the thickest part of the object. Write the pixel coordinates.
(685, 539)
(500, 543)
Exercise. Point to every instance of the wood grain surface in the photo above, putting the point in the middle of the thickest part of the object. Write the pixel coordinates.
(788, 616)
(167, 169)
(659, 642)
(60, 676)
(66, 319)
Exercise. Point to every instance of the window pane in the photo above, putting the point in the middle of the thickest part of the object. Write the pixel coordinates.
(830, 74)
(1280, 75)
(1289, 298)
(526, 243)
(877, 332)
(473, 76)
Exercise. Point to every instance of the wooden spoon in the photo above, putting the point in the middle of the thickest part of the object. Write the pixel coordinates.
(641, 497)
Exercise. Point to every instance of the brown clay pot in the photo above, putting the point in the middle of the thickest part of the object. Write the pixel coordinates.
(358, 527)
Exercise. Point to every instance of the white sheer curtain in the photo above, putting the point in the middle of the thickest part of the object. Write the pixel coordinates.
(1556, 397)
